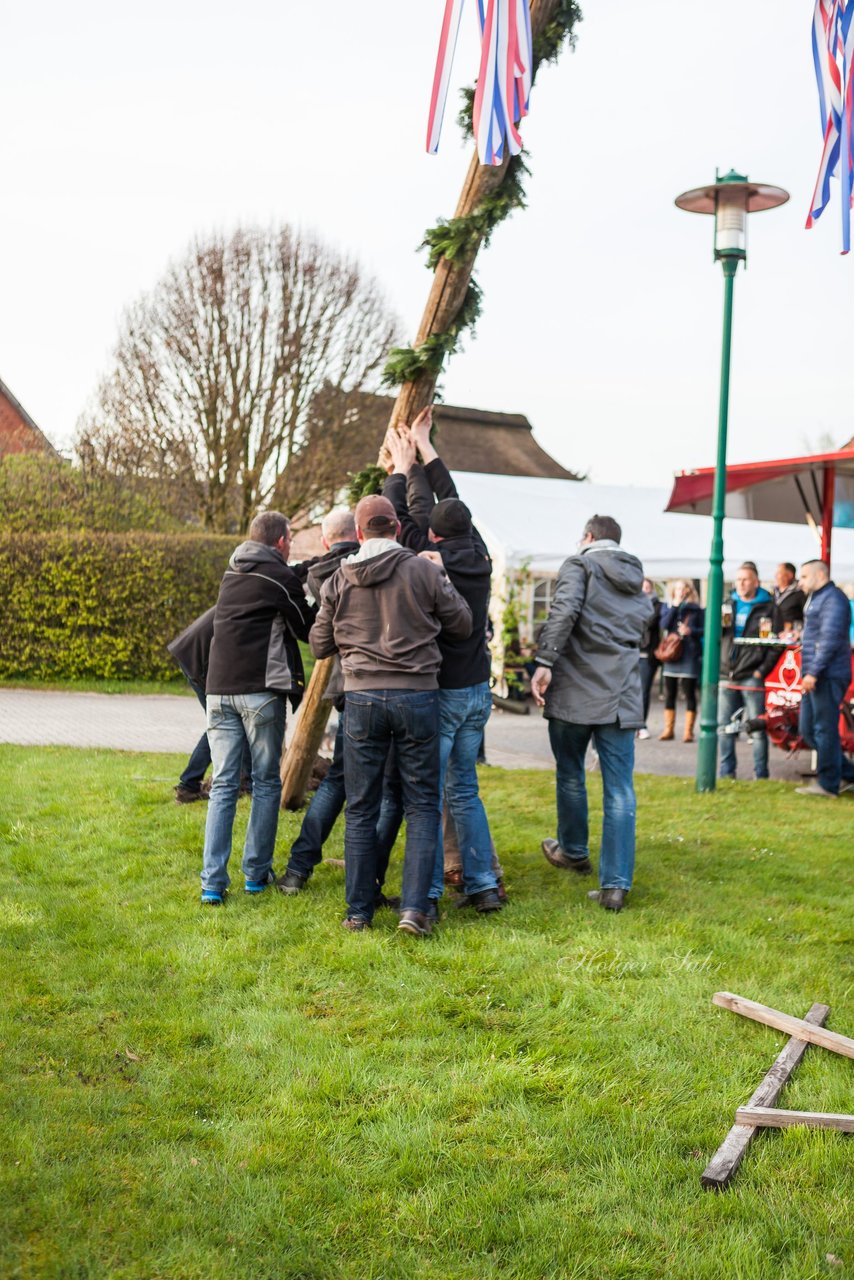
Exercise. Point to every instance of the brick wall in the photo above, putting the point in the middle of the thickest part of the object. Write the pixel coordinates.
(16, 434)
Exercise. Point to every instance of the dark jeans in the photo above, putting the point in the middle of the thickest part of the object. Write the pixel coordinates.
(671, 692)
(819, 727)
(200, 760)
(648, 667)
(616, 748)
(374, 720)
(327, 804)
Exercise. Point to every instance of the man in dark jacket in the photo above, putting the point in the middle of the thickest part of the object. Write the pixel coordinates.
(788, 596)
(744, 667)
(382, 612)
(338, 534)
(465, 701)
(588, 679)
(191, 650)
(261, 612)
(825, 677)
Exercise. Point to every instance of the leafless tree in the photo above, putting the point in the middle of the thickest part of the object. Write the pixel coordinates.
(216, 371)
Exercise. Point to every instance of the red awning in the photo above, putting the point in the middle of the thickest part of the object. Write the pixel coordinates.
(788, 490)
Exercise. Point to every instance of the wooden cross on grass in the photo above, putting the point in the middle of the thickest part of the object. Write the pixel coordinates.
(759, 1111)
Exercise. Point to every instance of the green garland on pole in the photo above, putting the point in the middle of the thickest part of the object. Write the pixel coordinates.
(365, 482)
(407, 364)
(453, 238)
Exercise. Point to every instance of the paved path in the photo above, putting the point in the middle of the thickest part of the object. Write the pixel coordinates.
(167, 723)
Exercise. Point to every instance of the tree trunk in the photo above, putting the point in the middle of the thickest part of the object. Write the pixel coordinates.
(447, 293)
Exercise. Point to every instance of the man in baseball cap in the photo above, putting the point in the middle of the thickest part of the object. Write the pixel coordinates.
(383, 611)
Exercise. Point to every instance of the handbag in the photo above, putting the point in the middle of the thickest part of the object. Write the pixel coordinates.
(670, 648)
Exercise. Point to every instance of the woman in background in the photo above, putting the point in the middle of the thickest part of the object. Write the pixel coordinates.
(684, 618)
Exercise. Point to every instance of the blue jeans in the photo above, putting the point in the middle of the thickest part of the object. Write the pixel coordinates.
(616, 748)
(752, 697)
(327, 804)
(261, 718)
(199, 762)
(463, 714)
(819, 728)
(374, 720)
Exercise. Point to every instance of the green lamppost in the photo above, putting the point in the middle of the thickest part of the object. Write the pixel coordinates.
(730, 199)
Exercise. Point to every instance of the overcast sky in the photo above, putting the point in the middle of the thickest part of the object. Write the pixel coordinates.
(126, 131)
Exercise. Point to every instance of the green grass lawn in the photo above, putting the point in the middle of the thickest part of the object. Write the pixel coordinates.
(178, 685)
(253, 1093)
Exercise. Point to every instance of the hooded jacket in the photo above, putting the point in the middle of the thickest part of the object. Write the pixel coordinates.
(261, 612)
(383, 611)
(591, 640)
(320, 571)
(466, 561)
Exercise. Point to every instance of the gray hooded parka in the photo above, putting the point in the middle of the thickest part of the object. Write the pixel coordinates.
(591, 640)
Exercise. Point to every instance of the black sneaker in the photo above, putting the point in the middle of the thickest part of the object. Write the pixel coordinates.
(381, 900)
(185, 795)
(291, 883)
(485, 900)
(560, 858)
(433, 910)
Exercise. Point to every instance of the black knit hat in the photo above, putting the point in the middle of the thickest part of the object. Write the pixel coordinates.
(450, 518)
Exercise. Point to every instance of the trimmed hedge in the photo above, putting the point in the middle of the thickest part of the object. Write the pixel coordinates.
(77, 605)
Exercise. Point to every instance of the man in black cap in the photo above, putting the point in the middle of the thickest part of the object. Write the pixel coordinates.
(465, 701)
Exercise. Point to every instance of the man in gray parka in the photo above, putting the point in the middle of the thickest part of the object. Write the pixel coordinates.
(588, 680)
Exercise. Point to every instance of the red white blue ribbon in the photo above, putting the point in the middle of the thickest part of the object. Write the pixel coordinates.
(833, 56)
(504, 82)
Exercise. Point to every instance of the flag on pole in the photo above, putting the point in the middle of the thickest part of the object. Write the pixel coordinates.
(833, 57)
(504, 82)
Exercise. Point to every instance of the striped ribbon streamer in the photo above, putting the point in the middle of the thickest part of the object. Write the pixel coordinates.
(504, 82)
(833, 57)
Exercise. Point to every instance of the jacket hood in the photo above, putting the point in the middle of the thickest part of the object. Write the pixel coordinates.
(369, 570)
(623, 571)
(327, 564)
(250, 554)
(463, 561)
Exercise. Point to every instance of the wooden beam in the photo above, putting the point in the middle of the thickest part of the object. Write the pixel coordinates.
(299, 758)
(724, 1164)
(774, 1118)
(785, 1022)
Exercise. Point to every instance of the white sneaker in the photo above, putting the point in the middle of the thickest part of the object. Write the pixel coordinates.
(815, 789)
(643, 733)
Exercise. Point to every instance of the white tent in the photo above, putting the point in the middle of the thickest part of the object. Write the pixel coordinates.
(537, 523)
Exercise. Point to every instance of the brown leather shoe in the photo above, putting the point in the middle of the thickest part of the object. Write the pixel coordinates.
(560, 858)
(415, 922)
(610, 899)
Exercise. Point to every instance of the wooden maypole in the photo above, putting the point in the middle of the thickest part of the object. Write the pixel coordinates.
(551, 23)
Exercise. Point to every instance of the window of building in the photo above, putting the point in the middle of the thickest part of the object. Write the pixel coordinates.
(543, 594)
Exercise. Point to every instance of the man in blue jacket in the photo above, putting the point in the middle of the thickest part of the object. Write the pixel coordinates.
(825, 677)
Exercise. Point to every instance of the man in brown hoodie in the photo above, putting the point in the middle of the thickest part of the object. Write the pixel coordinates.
(382, 611)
